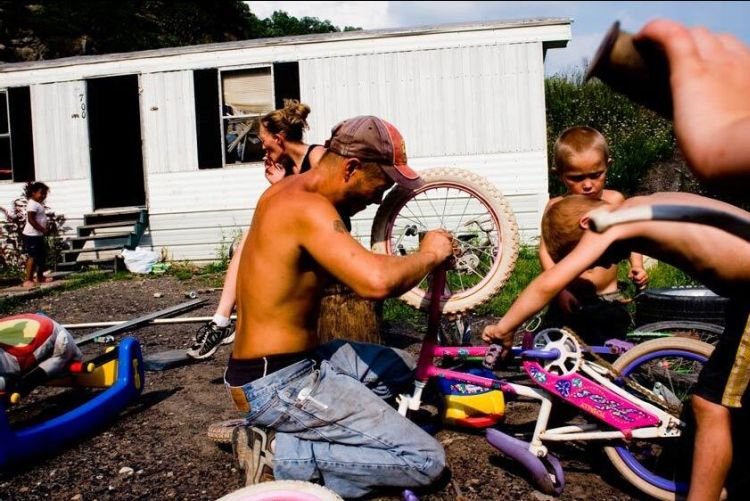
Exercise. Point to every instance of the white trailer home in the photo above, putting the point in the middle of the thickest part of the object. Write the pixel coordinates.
(171, 131)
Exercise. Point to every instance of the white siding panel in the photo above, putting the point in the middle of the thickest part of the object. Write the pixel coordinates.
(208, 189)
(456, 101)
(60, 131)
(168, 122)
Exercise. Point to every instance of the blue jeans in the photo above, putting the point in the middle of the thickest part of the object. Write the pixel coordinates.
(334, 427)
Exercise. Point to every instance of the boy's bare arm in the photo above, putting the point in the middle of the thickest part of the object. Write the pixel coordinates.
(547, 285)
(638, 273)
(544, 258)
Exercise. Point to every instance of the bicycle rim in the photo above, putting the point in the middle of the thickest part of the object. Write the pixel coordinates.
(670, 367)
(477, 215)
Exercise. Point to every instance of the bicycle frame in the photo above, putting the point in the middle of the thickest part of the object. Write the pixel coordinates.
(642, 420)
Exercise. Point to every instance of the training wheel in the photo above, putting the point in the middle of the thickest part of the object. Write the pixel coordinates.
(283, 490)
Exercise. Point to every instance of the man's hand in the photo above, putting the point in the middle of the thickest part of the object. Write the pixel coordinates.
(439, 243)
(639, 277)
(710, 78)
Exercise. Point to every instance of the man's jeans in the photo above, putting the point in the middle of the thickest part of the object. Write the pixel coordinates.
(334, 427)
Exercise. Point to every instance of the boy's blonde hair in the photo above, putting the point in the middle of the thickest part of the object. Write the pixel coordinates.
(291, 120)
(561, 230)
(577, 140)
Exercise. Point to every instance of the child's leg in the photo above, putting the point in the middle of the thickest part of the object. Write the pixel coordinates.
(28, 277)
(712, 455)
(41, 260)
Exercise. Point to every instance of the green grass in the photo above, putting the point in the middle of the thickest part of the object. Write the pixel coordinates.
(527, 268)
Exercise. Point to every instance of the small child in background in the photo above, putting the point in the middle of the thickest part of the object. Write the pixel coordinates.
(591, 305)
(33, 234)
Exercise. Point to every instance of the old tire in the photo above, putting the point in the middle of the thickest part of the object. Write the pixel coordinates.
(708, 333)
(478, 216)
(651, 465)
(680, 303)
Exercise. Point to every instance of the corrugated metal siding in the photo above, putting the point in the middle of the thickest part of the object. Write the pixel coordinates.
(192, 214)
(168, 122)
(457, 101)
(60, 129)
(468, 99)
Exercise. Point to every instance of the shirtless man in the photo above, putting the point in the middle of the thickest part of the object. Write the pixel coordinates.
(325, 403)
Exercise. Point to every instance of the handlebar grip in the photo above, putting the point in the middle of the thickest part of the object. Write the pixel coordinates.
(603, 220)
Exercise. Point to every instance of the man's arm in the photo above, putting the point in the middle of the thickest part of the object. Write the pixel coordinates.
(710, 78)
(370, 275)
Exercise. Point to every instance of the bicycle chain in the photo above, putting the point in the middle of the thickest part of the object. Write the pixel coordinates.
(630, 382)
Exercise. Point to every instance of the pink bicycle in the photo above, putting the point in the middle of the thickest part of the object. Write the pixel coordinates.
(633, 406)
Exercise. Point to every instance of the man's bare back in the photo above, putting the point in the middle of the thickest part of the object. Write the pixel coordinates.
(298, 243)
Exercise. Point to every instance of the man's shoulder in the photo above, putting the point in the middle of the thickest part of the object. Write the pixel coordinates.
(296, 202)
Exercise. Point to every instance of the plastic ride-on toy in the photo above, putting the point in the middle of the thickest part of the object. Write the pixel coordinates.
(35, 350)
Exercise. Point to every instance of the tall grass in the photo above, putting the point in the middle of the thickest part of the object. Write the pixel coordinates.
(527, 268)
(637, 137)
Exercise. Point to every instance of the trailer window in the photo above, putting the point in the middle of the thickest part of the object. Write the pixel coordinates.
(247, 95)
(16, 144)
(6, 166)
(229, 104)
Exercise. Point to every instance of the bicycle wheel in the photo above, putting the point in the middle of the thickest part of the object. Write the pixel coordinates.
(477, 215)
(283, 490)
(669, 367)
(708, 333)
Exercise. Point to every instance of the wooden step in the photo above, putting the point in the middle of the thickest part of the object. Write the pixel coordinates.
(93, 249)
(103, 236)
(130, 222)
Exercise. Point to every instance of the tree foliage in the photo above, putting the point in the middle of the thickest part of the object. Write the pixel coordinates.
(637, 137)
(49, 29)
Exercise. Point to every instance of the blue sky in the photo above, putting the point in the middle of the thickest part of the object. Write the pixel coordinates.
(590, 19)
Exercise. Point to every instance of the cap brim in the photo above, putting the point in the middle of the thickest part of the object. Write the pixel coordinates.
(404, 176)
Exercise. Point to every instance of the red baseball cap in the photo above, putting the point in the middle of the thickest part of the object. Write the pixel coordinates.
(373, 139)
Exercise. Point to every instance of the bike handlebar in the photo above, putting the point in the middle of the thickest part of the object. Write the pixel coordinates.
(731, 223)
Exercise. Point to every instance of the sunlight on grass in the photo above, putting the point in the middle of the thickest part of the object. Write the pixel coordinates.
(527, 268)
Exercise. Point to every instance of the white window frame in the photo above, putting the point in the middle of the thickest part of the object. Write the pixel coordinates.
(5, 136)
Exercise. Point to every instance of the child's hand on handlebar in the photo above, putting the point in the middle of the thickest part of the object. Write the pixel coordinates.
(495, 334)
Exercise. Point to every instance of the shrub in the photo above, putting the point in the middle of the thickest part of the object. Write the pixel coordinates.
(637, 137)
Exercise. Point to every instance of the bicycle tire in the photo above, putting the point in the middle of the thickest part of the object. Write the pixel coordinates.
(703, 331)
(633, 363)
(479, 199)
(283, 490)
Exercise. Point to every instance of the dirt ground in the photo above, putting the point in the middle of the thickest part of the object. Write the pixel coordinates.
(158, 448)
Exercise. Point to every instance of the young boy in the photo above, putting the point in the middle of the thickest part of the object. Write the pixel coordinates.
(591, 305)
(714, 257)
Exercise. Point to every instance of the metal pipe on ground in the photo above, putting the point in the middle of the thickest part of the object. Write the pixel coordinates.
(184, 320)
